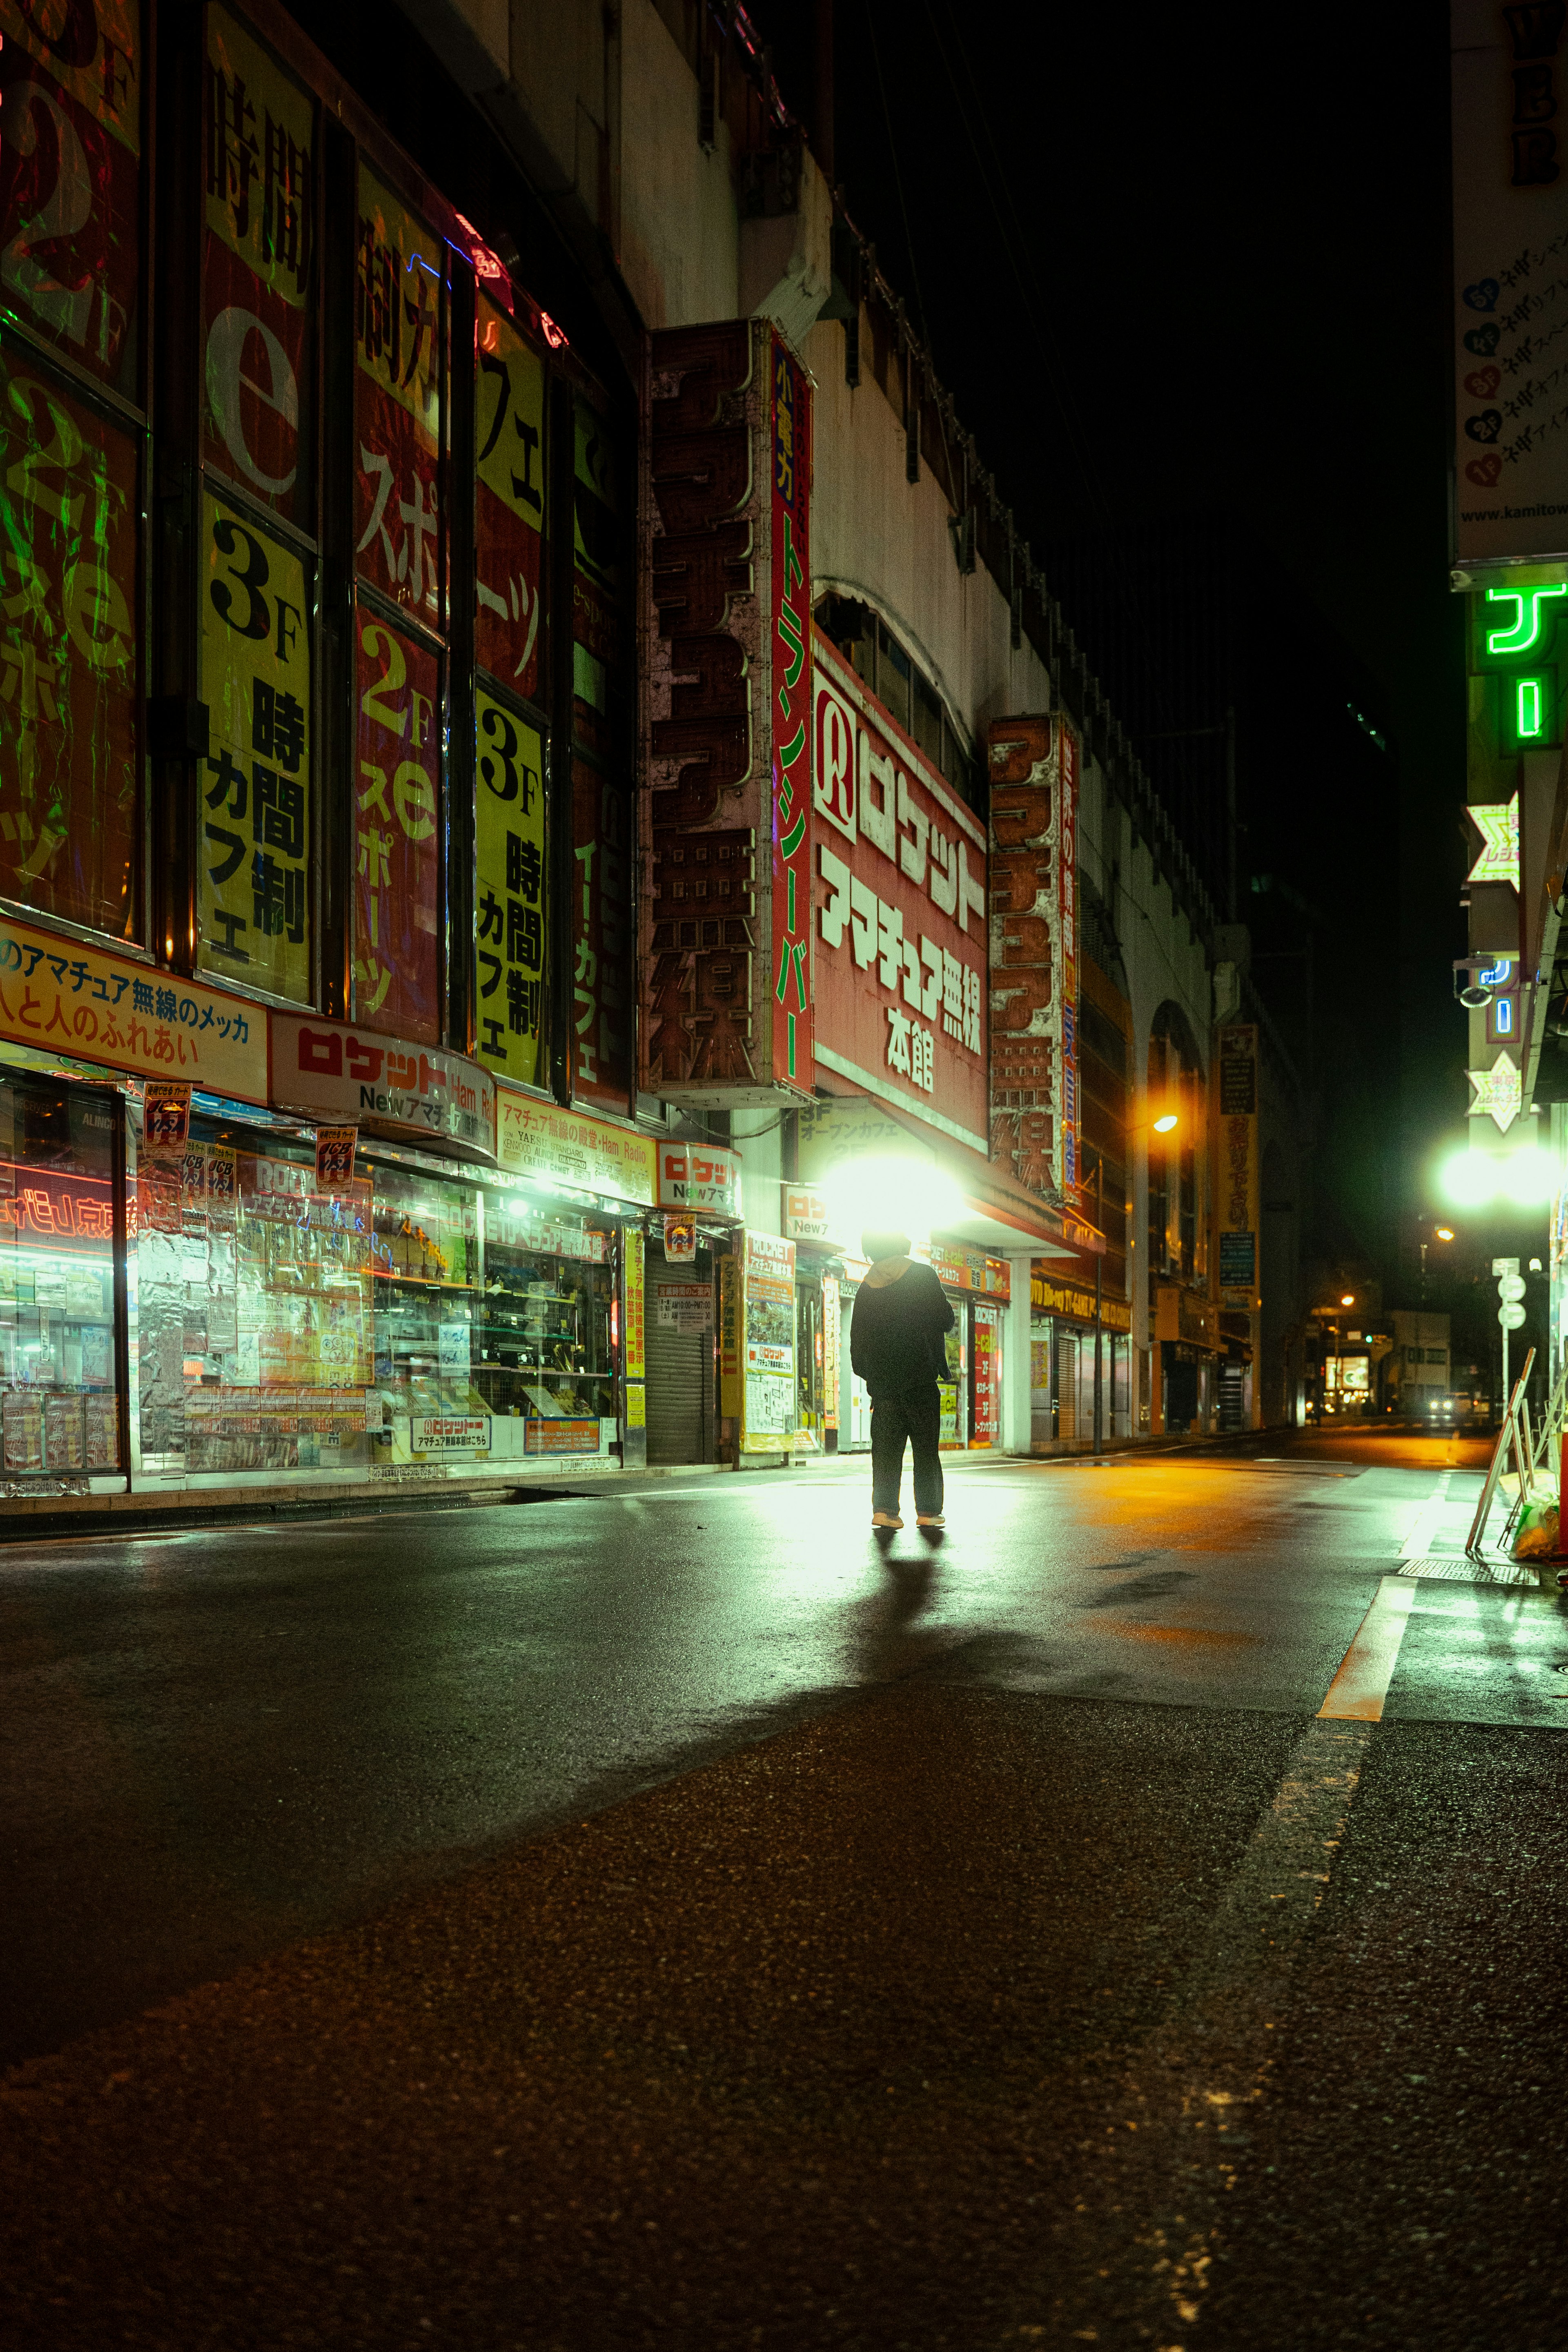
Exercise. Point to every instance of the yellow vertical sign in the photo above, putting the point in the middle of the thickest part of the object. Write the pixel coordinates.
(253, 810)
(262, 133)
(508, 891)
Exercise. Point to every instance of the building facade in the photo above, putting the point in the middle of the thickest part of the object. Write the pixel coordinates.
(539, 792)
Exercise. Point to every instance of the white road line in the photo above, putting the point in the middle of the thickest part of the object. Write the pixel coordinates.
(1358, 1690)
(1422, 1531)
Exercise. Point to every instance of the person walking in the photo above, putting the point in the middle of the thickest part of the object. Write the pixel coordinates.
(896, 1344)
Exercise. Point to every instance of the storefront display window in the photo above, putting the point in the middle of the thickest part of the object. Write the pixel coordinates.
(544, 1363)
(59, 1404)
(254, 1310)
(425, 1260)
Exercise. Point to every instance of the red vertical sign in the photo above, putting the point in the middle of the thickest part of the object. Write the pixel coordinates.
(1066, 914)
(985, 1423)
(793, 730)
(397, 857)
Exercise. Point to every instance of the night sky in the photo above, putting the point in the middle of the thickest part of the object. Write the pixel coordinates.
(1186, 270)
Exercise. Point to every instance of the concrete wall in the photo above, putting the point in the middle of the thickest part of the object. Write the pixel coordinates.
(680, 228)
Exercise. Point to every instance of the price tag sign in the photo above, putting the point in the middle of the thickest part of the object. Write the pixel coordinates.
(335, 1158)
(166, 1116)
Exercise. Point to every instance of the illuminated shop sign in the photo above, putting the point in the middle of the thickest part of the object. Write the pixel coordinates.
(900, 892)
(700, 1176)
(568, 1147)
(69, 998)
(334, 1072)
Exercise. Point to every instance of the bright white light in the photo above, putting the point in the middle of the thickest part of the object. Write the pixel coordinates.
(1524, 1178)
(1164, 1126)
(893, 1193)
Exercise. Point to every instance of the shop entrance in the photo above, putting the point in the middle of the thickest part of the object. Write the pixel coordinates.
(678, 1331)
(810, 1352)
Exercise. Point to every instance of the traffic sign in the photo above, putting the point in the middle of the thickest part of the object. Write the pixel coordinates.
(1510, 1317)
(1505, 1265)
(1510, 1289)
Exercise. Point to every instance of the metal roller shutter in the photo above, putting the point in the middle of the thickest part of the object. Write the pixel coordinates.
(680, 1372)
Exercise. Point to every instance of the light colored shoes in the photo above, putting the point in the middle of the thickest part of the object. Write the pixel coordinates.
(886, 1520)
(931, 1519)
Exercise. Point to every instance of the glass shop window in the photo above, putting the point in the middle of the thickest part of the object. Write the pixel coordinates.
(547, 1343)
(425, 1253)
(253, 1311)
(59, 1389)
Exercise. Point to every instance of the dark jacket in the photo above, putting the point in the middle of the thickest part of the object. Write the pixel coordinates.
(897, 1331)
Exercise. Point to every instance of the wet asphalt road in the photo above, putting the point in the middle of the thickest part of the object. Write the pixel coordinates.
(666, 1918)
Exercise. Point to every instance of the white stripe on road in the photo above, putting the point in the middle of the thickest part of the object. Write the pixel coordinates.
(1359, 1687)
(1422, 1533)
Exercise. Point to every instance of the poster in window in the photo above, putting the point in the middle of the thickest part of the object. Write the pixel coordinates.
(770, 1414)
(397, 839)
(508, 514)
(598, 659)
(258, 270)
(602, 916)
(400, 325)
(253, 812)
(70, 768)
(508, 892)
(70, 192)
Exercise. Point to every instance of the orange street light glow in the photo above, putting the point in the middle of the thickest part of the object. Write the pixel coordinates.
(1349, 1300)
(1444, 1232)
(1164, 1126)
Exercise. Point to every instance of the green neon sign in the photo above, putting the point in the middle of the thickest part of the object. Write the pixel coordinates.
(1530, 706)
(1525, 629)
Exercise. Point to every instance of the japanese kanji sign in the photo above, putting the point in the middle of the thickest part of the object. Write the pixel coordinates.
(711, 946)
(509, 510)
(900, 945)
(510, 896)
(335, 1158)
(71, 99)
(258, 271)
(69, 998)
(399, 397)
(166, 1115)
(253, 808)
(70, 768)
(397, 848)
(601, 926)
(540, 1138)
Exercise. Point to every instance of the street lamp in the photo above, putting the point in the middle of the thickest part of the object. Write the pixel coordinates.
(1165, 1124)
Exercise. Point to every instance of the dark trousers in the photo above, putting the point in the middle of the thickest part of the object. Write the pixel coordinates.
(910, 1415)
